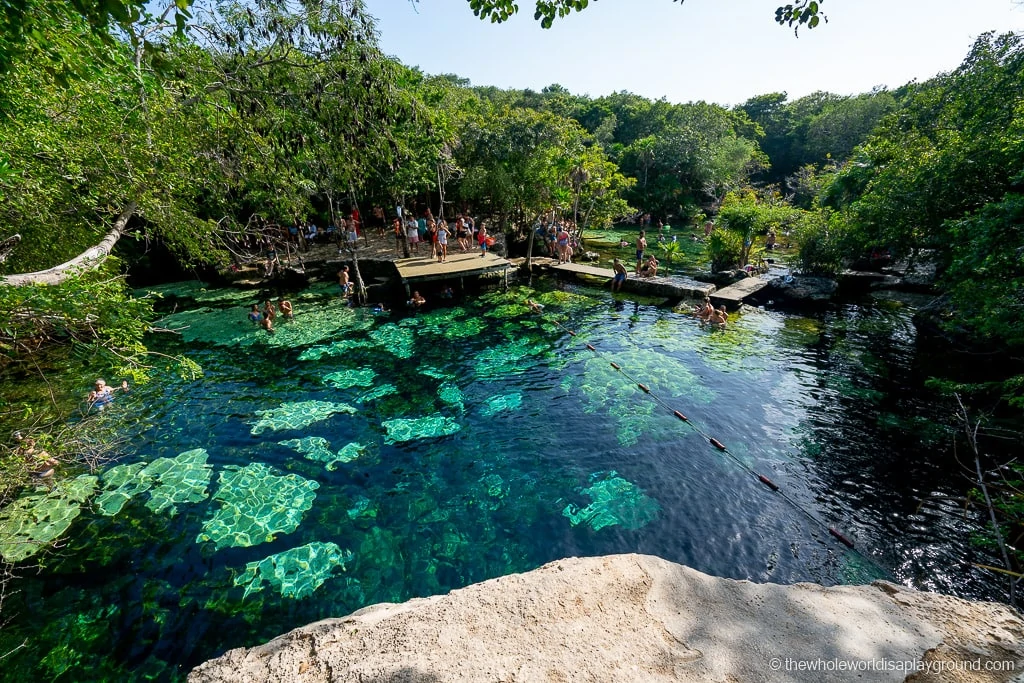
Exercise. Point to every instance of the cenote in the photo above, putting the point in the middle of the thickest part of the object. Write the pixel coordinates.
(352, 459)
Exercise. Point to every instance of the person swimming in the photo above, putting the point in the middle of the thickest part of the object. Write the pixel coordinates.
(103, 395)
(534, 306)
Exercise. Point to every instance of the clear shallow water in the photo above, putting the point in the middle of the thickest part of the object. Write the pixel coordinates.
(556, 454)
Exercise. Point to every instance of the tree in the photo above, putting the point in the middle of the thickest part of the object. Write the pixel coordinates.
(800, 13)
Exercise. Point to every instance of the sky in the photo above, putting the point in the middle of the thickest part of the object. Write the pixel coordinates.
(721, 51)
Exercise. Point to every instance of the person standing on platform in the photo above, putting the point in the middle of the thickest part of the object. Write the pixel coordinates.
(641, 247)
(442, 242)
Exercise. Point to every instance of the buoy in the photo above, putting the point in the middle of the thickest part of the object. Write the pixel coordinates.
(842, 539)
(716, 443)
(768, 482)
(680, 416)
(571, 333)
(591, 347)
(645, 388)
(615, 365)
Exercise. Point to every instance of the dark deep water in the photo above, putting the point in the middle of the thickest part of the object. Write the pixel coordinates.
(472, 441)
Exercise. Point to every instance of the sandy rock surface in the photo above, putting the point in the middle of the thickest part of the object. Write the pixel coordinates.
(641, 618)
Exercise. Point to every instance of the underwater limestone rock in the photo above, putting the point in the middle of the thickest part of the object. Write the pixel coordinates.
(120, 484)
(297, 573)
(362, 507)
(297, 415)
(452, 395)
(435, 373)
(615, 501)
(31, 522)
(346, 379)
(181, 479)
(379, 391)
(420, 428)
(255, 504)
(394, 339)
(338, 348)
(313, 447)
(349, 453)
(503, 403)
(318, 449)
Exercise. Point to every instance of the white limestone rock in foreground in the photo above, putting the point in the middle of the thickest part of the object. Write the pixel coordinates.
(641, 618)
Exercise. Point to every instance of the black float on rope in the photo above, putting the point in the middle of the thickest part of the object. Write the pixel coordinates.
(842, 539)
(720, 446)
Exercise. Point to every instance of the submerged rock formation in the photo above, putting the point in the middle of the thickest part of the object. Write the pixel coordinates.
(641, 618)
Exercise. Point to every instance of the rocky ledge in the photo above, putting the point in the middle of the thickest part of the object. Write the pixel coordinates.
(641, 618)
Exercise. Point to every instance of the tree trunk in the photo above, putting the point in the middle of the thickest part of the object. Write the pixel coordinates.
(89, 259)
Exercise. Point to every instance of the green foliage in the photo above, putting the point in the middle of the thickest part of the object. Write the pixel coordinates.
(822, 237)
(952, 147)
(803, 13)
(986, 275)
(743, 216)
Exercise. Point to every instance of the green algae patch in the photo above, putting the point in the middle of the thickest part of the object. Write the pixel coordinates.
(346, 379)
(394, 339)
(120, 484)
(313, 323)
(501, 404)
(255, 504)
(297, 415)
(181, 479)
(434, 426)
(34, 521)
(450, 323)
(614, 501)
(464, 329)
(296, 573)
(511, 358)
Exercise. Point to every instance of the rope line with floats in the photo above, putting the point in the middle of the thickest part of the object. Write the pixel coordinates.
(719, 446)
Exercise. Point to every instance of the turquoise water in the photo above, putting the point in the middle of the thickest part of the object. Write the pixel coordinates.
(352, 459)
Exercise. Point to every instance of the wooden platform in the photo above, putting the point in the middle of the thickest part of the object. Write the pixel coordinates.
(458, 264)
(671, 286)
(732, 296)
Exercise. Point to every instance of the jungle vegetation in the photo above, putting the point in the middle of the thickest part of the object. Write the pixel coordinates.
(186, 127)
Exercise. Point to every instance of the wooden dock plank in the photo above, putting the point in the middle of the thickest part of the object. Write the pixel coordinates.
(734, 294)
(668, 286)
(459, 264)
